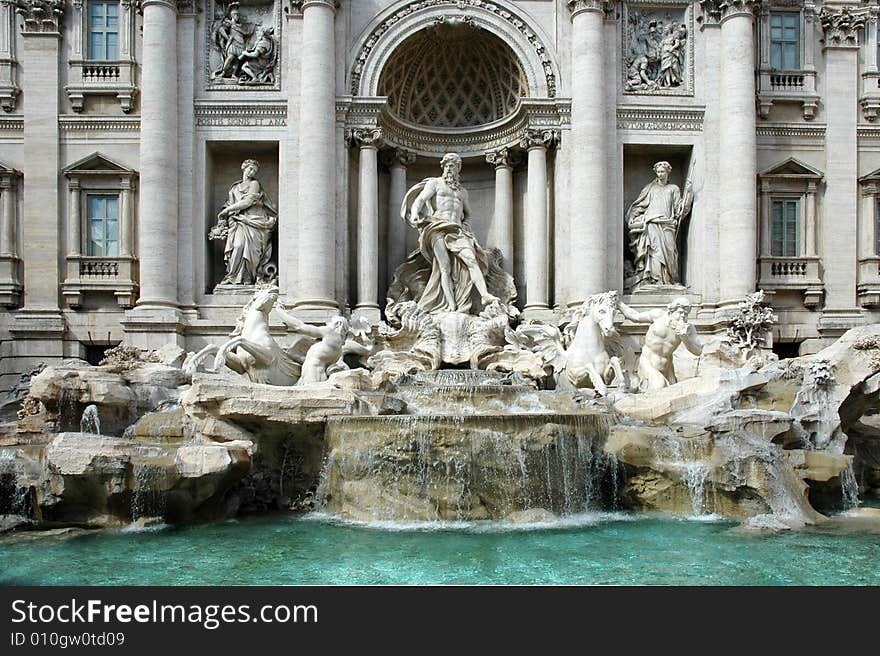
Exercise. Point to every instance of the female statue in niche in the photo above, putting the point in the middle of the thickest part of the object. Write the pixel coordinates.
(246, 223)
(653, 221)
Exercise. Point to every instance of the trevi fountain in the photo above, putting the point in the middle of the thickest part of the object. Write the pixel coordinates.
(439, 291)
(398, 451)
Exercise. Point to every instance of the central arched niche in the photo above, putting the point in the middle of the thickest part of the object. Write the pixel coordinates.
(453, 76)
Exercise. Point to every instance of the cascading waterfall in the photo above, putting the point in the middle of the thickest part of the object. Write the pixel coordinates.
(15, 499)
(448, 467)
(690, 460)
(447, 463)
(147, 499)
(68, 407)
(849, 488)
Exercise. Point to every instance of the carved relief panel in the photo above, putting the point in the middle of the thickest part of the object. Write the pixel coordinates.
(242, 45)
(658, 49)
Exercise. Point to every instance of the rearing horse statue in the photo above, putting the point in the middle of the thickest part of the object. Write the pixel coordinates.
(586, 362)
(251, 350)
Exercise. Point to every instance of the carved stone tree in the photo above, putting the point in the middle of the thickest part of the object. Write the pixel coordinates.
(749, 328)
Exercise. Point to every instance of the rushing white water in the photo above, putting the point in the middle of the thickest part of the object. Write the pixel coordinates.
(456, 467)
(577, 520)
(689, 459)
(147, 498)
(90, 422)
(849, 488)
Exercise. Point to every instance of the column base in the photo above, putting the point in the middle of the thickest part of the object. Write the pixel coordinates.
(37, 338)
(368, 311)
(10, 280)
(834, 322)
(538, 313)
(151, 327)
(315, 310)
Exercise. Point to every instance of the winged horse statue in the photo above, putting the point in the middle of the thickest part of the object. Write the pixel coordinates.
(587, 353)
(314, 353)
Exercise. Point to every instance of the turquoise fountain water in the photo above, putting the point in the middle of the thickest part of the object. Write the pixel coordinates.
(605, 549)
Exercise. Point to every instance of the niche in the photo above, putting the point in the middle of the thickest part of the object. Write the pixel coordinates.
(638, 172)
(223, 171)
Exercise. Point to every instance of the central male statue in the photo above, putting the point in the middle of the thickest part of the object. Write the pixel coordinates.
(449, 266)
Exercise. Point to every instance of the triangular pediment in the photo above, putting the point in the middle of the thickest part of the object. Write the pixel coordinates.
(7, 170)
(97, 163)
(792, 167)
(873, 176)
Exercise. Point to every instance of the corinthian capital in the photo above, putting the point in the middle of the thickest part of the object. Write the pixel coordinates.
(715, 11)
(841, 26)
(299, 6)
(398, 157)
(364, 137)
(579, 6)
(539, 139)
(40, 15)
(502, 157)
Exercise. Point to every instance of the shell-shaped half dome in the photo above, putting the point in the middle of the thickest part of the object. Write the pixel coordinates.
(453, 76)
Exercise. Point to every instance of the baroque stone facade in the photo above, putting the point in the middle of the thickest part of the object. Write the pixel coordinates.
(125, 125)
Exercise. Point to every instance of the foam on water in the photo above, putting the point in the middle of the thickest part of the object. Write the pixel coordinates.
(565, 522)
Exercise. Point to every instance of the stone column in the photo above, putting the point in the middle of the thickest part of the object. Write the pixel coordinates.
(537, 226)
(8, 28)
(158, 215)
(589, 149)
(316, 281)
(74, 219)
(125, 219)
(738, 146)
(810, 220)
(501, 232)
(10, 283)
(368, 140)
(41, 36)
(766, 212)
(839, 232)
(397, 161)
(8, 247)
(38, 328)
(191, 241)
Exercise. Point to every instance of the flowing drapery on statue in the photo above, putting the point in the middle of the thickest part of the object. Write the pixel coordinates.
(246, 223)
(653, 222)
(450, 270)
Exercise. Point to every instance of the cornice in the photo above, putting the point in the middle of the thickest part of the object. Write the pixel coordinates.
(100, 124)
(660, 118)
(791, 130)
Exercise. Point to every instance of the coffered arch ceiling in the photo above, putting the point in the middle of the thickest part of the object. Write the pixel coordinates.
(453, 76)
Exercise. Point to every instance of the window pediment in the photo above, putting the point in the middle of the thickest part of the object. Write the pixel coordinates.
(7, 170)
(792, 169)
(873, 176)
(98, 164)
